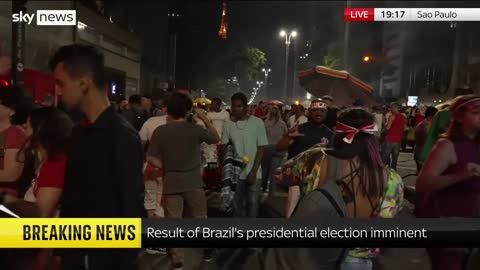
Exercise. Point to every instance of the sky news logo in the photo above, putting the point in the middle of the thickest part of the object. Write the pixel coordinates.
(47, 17)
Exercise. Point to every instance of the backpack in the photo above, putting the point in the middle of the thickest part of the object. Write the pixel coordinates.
(324, 202)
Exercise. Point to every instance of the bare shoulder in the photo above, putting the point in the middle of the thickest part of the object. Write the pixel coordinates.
(444, 143)
(445, 149)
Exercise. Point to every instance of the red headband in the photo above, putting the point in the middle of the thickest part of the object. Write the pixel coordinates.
(352, 132)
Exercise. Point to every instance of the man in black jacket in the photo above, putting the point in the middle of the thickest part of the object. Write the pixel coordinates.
(103, 177)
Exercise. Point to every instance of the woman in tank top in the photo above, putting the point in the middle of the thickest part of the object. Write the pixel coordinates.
(449, 182)
(369, 189)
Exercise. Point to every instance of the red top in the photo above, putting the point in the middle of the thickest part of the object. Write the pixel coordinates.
(419, 118)
(51, 174)
(15, 138)
(151, 173)
(395, 133)
(259, 113)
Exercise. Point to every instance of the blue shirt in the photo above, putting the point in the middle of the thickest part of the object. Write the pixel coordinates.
(312, 135)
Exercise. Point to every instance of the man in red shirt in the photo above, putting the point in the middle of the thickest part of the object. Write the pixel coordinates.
(393, 139)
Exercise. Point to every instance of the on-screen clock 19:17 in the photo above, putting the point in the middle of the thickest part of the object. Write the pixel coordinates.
(388, 14)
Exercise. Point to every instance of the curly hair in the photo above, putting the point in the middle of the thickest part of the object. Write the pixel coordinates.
(51, 131)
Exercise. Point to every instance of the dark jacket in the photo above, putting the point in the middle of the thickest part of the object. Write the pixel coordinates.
(103, 178)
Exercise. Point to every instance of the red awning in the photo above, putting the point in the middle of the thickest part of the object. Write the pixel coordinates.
(37, 83)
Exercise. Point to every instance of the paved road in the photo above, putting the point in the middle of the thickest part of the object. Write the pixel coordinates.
(390, 259)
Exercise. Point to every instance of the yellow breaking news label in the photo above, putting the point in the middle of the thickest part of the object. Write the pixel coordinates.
(70, 233)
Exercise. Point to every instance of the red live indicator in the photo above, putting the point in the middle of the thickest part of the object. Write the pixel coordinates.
(359, 14)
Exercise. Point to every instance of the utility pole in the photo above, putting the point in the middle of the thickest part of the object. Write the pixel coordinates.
(285, 82)
(288, 37)
(266, 71)
(172, 48)
(346, 40)
(18, 45)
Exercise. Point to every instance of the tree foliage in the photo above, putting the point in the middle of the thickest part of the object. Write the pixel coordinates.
(243, 62)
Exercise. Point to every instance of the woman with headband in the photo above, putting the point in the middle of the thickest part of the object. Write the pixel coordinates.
(449, 182)
(354, 168)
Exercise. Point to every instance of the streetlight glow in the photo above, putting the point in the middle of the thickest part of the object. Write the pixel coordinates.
(294, 33)
(283, 33)
(263, 69)
(269, 70)
(366, 58)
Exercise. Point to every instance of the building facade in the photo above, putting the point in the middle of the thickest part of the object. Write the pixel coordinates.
(121, 48)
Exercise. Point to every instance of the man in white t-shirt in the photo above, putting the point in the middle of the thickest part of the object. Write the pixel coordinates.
(218, 118)
(149, 127)
(298, 118)
(217, 115)
(153, 177)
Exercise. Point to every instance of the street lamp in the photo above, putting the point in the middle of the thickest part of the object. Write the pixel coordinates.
(288, 37)
(266, 71)
(367, 58)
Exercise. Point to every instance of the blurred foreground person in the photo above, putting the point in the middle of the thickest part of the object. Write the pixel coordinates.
(353, 174)
(103, 176)
(449, 182)
(440, 123)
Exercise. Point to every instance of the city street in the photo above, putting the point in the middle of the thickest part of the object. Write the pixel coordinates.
(390, 259)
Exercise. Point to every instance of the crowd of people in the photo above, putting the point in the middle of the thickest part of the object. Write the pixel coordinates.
(138, 159)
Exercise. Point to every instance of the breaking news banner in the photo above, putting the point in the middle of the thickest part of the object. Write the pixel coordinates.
(296, 232)
(70, 233)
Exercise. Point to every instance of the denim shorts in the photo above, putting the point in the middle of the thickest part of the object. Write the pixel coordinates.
(352, 263)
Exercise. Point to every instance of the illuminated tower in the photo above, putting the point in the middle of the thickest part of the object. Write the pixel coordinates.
(222, 32)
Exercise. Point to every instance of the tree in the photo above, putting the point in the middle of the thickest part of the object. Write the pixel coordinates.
(243, 62)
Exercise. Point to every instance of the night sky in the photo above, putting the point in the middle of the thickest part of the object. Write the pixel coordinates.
(256, 24)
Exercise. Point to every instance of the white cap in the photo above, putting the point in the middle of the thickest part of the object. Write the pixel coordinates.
(318, 104)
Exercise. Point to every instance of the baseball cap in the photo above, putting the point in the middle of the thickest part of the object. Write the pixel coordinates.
(318, 104)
